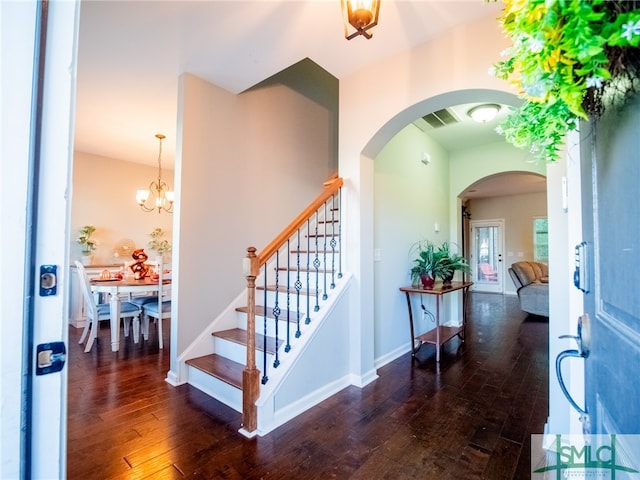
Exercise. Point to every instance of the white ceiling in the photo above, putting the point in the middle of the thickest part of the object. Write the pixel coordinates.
(131, 54)
(465, 133)
(504, 184)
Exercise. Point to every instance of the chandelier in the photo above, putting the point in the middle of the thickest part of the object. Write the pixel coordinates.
(163, 197)
(361, 15)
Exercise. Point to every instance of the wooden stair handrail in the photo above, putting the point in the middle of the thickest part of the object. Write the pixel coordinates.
(251, 266)
(330, 188)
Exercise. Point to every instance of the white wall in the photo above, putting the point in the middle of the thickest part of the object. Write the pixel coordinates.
(251, 162)
(103, 195)
(409, 199)
(472, 164)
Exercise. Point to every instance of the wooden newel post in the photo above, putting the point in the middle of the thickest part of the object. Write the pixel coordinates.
(250, 375)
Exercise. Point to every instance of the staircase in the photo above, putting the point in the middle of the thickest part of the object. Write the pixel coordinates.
(293, 286)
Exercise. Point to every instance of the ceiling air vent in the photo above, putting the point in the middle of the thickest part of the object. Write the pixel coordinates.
(440, 118)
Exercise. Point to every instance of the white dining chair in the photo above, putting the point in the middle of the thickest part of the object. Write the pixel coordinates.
(96, 312)
(159, 308)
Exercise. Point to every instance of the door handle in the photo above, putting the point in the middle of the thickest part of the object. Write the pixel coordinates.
(561, 356)
(583, 339)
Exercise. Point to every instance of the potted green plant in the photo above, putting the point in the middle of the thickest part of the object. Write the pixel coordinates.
(159, 244)
(450, 263)
(88, 244)
(426, 264)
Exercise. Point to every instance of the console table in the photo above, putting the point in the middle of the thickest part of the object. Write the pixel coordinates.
(440, 334)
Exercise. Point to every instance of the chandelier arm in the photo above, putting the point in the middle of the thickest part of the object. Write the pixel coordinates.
(144, 207)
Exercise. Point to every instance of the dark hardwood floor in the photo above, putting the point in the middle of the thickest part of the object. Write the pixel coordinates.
(471, 417)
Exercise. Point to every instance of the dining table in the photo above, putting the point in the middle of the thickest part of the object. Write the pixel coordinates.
(116, 287)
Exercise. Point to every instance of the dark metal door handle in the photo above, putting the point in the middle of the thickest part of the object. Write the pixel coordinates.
(561, 356)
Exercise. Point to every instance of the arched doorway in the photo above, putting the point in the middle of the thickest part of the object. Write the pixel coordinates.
(500, 214)
(415, 199)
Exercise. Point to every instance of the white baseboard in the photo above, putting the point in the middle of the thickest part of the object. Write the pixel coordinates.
(300, 406)
(392, 355)
(172, 379)
(362, 381)
(248, 434)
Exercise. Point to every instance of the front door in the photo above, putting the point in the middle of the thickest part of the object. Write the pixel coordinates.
(487, 241)
(611, 228)
(35, 198)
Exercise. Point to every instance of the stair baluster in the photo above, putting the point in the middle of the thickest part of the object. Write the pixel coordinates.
(287, 347)
(298, 288)
(308, 268)
(276, 313)
(265, 378)
(271, 256)
(316, 264)
(339, 234)
(324, 252)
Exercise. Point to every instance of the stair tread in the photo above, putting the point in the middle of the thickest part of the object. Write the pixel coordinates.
(238, 335)
(220, 367)
(272, 288)
(260, 312)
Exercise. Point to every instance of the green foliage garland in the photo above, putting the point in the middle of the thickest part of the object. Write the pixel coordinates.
(565, 54)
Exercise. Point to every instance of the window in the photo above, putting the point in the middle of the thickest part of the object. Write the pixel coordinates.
(540, 240)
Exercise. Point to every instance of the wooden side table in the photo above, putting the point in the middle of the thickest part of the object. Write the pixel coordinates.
(440, 334)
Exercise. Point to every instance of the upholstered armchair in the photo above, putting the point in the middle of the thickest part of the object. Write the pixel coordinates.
(532, 282)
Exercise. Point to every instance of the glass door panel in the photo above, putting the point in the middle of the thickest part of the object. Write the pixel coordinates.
(487, 271)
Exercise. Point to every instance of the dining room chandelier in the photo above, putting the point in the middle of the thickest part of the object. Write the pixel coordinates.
(361, 15)
(162, 196)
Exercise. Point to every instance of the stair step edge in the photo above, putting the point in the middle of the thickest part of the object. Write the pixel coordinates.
(239, 336)
(260, 312)
(219, 367)
(272, 288)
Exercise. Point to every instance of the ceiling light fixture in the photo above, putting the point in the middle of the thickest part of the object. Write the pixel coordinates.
(159, 189)
(361, 15)
(484, 113)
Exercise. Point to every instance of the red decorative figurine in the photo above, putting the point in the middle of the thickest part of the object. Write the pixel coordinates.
(139, 268)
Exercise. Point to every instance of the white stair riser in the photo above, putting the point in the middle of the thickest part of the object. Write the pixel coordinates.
(315, 304)
(212, 386)
(326, 262)
(271, 328)
(290, 278)
(235, 351)
(291, 302)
